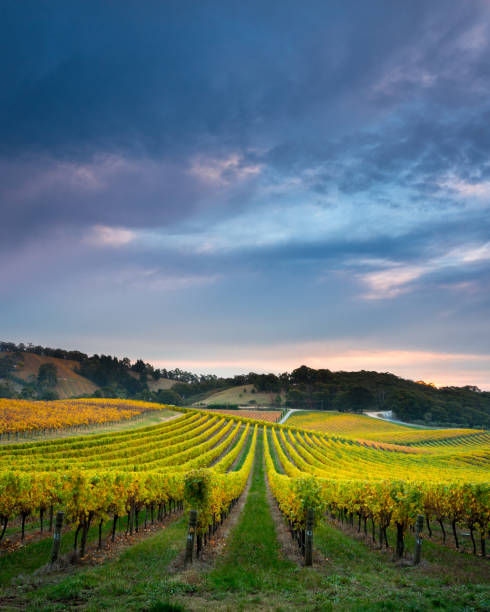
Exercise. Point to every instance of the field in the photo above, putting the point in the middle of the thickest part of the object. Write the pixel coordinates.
(361, 426)
(126, 498)
(271, 416)
(241, 395)
(27, 417)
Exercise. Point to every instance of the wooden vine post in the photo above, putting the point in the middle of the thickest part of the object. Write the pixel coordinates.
(55, 550)
(419, 525)
(190, 537)
(310, 519)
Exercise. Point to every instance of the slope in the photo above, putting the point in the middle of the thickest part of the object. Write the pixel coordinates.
(70, 383)
(241, 395)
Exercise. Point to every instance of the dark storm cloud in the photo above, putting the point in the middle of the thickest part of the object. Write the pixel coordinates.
(163, 77)
(157, 84)
(196, 160)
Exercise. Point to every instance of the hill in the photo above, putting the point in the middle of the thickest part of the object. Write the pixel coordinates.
(77, 375)
(304, 388)
(162, 384)
(241, 395)
(70, 384)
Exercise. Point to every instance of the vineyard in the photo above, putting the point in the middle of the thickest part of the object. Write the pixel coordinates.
(271, 416)
(28, 417)
(360, 426)
(96, 477)
(202, 461)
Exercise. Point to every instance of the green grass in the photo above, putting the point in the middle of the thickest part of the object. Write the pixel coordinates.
(240, 395)
(251, 561)
(359, 578)
(137, 580)
(26, 560)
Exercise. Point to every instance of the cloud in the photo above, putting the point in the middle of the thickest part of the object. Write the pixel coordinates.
(102, 235)
(245, 174)
(40, 194)
(391, 282)
(466, 189)
(223, 171)
(395, 278)
(155, 279)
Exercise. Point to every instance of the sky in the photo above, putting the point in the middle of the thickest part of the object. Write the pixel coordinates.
(249, 186)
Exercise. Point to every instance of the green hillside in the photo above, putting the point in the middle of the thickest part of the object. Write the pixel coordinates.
(242, 395)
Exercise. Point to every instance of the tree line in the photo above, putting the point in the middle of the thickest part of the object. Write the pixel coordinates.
(304, 387)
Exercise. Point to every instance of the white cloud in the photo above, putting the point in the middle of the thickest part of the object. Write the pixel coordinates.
(222, 171)
(393, 278)
(103, 235)
(391, 282)
(465, 189)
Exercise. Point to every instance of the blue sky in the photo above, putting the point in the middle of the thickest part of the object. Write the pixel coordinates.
(230, 186)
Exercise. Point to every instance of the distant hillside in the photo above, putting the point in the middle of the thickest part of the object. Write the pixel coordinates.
(241, 395)
(305, 388)
(70, 384)
(161, 384)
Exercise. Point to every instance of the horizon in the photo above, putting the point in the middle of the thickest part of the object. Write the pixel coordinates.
(228, 370)
(225, 187)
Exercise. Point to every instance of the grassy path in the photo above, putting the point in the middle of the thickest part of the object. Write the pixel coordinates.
(251, 561)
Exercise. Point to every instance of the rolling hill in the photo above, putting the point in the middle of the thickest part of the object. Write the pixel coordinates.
(242, 395)
(70, 383)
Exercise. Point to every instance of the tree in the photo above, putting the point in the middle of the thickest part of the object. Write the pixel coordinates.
(168, 396)
(28, 391)
(47, 377)
(7, 365)
(48, 395)
(139, 366)
(6, 390)
(355, 399)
